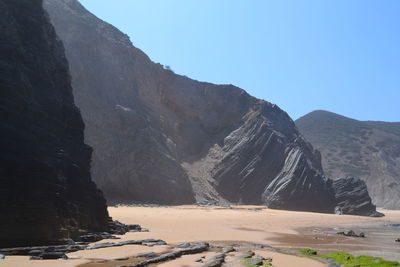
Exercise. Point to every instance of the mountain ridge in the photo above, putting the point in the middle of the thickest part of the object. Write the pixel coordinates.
(366, 149)
(163, 138)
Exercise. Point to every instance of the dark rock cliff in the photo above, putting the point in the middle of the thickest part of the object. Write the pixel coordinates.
(164, 138)
(46, 192)
(369, 150)
(352, 197)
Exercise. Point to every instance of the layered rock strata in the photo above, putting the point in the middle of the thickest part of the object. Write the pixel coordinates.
(46, 193)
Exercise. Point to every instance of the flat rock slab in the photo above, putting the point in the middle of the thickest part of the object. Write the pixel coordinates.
(183, 245)
(161, 258)
(147, 255)
(259, 261)
(43, 252)
(228, 249)
(245, 254)
(194, 249)
(197, 248)
(130, 242)
(246, 245)
(144, 242)
(215, 261)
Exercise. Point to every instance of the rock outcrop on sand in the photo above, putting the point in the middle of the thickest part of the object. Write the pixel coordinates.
(46, 193)
(352, 197)
(369, 150)
(159, 137)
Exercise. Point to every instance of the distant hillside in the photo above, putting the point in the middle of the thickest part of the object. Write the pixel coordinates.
(369, 150)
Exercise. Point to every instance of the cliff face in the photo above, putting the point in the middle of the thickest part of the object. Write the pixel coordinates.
(352, 196)
(163, 138)
(369, 150)
(45, 188)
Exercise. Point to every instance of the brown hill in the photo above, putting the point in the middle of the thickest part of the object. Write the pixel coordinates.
(369, 150)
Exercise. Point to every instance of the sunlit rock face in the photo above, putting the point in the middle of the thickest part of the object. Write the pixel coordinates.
(46, 192)
(352, 197)
(159, 137)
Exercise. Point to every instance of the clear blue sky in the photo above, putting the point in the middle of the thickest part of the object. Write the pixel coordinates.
(338, 55)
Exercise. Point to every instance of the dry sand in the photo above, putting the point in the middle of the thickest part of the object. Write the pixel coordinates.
(244, 223)
(224, 225)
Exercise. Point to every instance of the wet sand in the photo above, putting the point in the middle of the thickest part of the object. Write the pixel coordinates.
(252, 224)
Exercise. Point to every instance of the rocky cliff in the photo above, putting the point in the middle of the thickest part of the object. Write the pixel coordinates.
(369, 150)
(160, 137)
(46, 192)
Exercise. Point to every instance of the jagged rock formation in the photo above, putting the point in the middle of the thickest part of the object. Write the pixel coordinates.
(352, 197)
(164, 138)
(45, 188)
(369, 150)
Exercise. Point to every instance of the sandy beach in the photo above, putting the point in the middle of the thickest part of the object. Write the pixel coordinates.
(237, 224)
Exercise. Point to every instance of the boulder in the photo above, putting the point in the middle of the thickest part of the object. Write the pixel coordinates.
(53, 255)
(351, 233)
